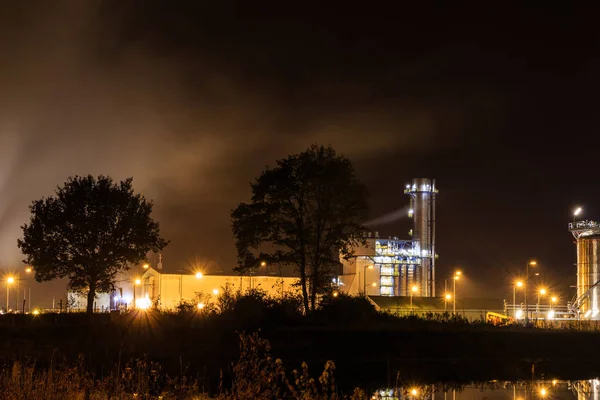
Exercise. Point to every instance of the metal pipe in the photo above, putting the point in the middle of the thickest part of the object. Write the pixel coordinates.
(515, 301)
(454, 296)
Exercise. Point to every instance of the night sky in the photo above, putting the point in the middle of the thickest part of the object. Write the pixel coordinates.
(194, 98)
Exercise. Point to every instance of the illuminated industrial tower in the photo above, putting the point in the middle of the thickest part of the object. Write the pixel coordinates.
(587, 234)
(422, 192)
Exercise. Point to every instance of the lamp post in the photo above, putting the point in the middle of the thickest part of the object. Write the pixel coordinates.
(9, 281)
(541, 292)
(517, 284)
(532, 263)
(553, 300)
(457, 275)
(447, 297)
(454, 277)
(413, 289)
(29, 270)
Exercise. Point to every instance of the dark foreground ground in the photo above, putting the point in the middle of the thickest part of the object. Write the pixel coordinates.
(368, 352)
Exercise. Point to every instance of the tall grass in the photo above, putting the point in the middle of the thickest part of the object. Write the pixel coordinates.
(255, 375)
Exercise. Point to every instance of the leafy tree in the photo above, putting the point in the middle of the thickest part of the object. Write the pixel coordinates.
(304, 212)
(88, 232)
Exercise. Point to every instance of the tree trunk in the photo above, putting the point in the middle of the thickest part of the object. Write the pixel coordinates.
(91, 296)
(304, 289)
(302, 270)
(313, 290)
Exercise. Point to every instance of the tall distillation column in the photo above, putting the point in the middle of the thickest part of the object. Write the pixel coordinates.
(422, 192)
(587, 234)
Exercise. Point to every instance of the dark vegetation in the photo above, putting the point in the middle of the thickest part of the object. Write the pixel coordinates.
(304, 212)
(370, 349)
(91, 229)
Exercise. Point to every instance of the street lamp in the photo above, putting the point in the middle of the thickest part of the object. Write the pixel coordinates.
(532, 263)
(518, 284)
(146, 266)
(199, 275)
(456, 276)
(447, 297)
(541, 292)
(9, 281)
(413, 289)
(553, 300)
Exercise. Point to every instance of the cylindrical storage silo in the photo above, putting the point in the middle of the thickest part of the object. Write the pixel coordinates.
(422, 192)
(588, 276)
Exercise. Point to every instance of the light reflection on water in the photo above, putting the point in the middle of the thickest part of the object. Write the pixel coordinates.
(495, 390)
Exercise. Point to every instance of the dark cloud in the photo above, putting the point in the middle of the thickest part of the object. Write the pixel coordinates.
(91, 89)
(193, 99)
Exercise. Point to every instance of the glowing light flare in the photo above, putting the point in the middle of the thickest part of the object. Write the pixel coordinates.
(577, 211)
(28, 270)
(519, 283)
(201, 306)
(138, 281)
(414, 289)
(551, 314)
(10, 280)
(146, 266)
(448, 296)
(532, 263)
(263, 263)
(335, 294)
(199, 275)
(543, 392)
(36, 312)
(143, 303)
(554, 299)
(374, 284)
(414, 392)
(215, 291)
(371, 266)
(542, 291)
(519, 314)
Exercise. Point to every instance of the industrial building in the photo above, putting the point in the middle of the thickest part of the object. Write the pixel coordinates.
(393, 267)
(166, 291)
(587, 301)
(396, 275)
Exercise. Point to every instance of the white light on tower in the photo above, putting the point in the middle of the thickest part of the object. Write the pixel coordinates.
(577, 211)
